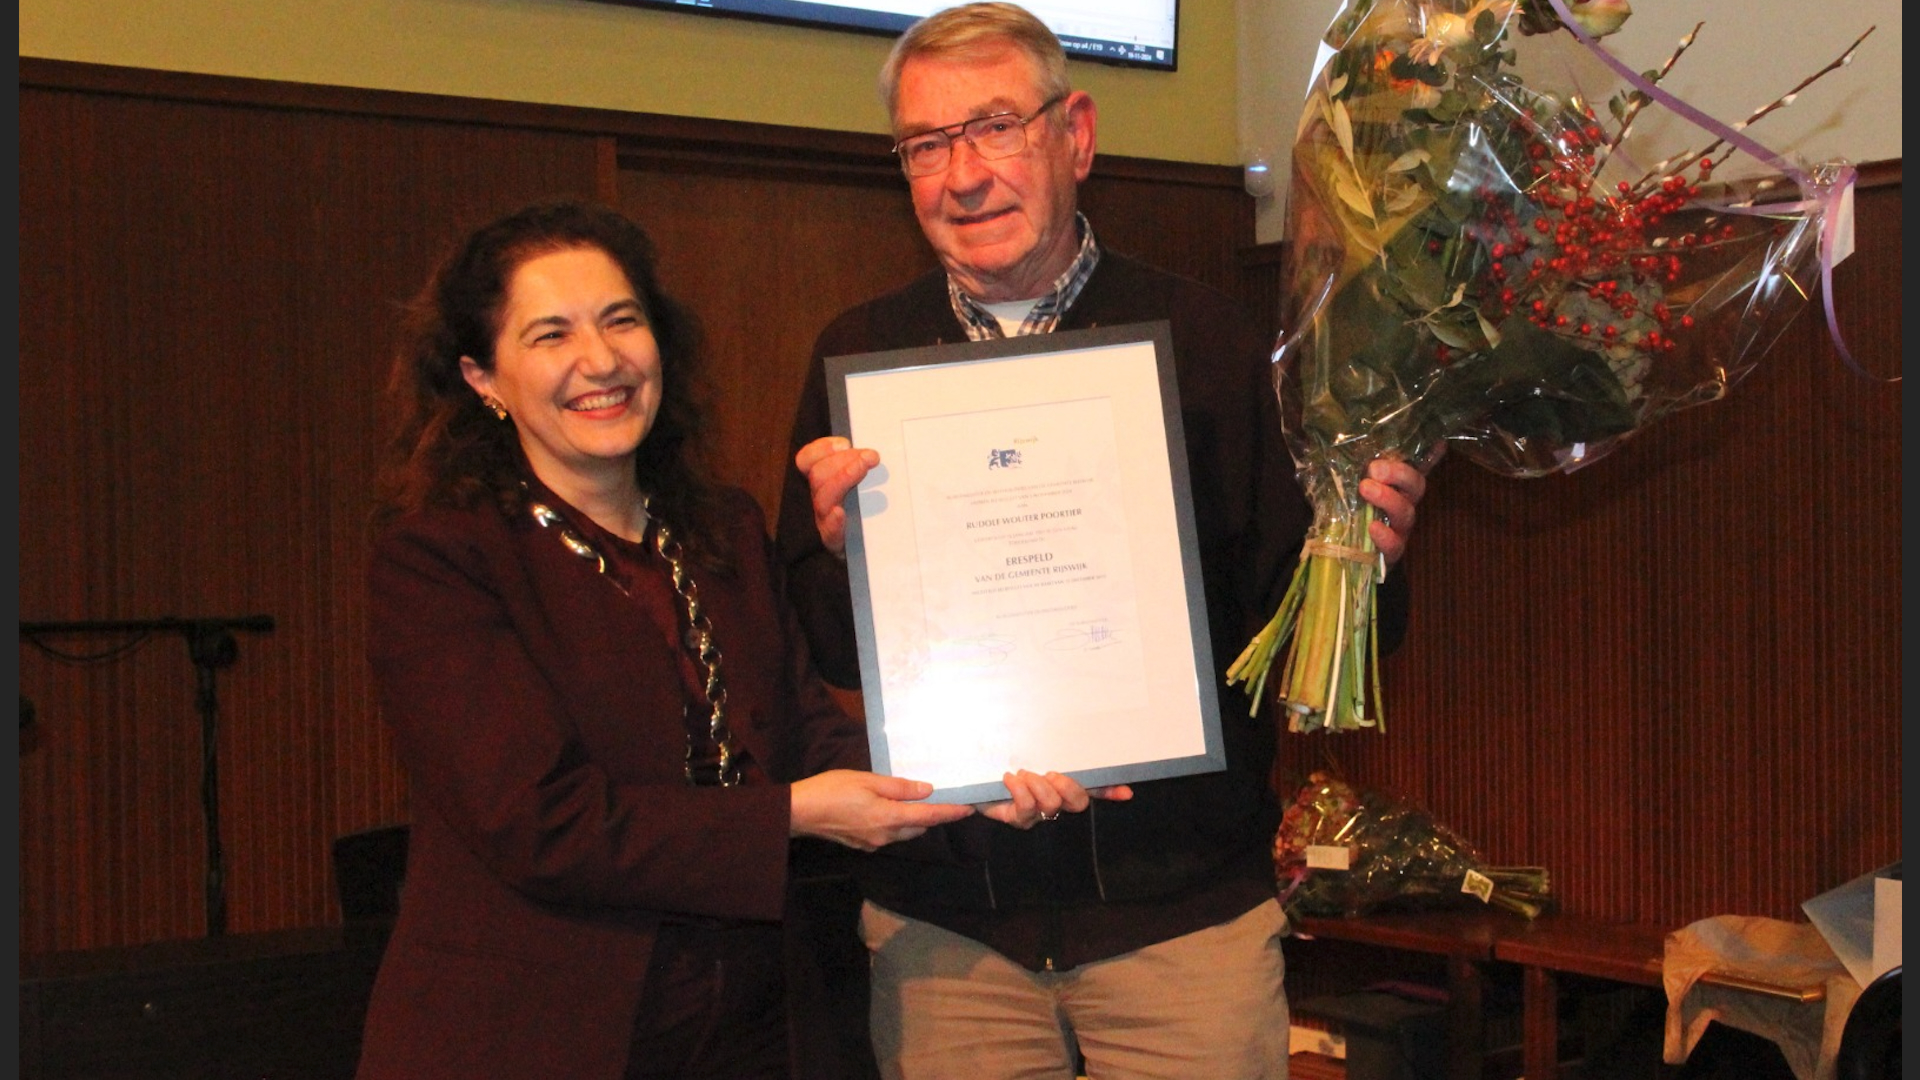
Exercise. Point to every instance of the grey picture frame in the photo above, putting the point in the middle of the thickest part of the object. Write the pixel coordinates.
(991, 363)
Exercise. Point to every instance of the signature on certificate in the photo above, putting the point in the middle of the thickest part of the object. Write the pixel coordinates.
(986, 650)
(1085, 635)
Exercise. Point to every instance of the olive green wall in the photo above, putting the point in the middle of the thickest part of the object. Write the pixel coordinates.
(580, 52)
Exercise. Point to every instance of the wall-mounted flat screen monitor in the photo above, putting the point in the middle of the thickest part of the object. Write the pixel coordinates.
(1135, 33)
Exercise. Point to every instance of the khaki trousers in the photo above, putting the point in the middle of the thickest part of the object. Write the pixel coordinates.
(1205, 1006)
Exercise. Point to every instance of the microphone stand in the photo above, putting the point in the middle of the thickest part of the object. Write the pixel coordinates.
(211, 646)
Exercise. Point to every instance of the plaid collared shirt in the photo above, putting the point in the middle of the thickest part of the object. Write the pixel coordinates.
(980, 323)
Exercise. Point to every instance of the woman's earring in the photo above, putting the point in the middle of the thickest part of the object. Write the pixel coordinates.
(493, 403)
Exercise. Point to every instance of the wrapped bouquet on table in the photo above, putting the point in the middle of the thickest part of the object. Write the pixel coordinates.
(1482, 262)
(1343, 852)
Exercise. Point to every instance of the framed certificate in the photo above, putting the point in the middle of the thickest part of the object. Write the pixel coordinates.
(1025, 573)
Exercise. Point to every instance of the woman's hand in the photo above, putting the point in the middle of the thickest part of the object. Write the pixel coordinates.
(866, 811)
(1038, 797)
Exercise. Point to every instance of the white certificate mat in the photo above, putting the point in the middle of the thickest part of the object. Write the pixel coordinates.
(1025, 574)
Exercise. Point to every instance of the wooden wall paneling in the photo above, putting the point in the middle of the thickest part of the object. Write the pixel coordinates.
(1260, 267)
(766, 256)
(1194, 220)
(1672, 677)
(208, 297)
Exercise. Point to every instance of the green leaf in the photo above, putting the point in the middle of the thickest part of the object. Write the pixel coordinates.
(1351, 194)
(1491, 332)
(1403, 200)
(1423, 281)
(1342, 129)
(1409, 160)
(1452, 106)
(1446, 330)
(1546, 388)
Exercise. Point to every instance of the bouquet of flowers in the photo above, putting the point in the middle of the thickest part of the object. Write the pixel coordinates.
(1477, 261)
(1340, 852)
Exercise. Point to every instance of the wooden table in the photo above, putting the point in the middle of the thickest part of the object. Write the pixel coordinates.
(1553, 945)
(1466, 940)
(1544, 949)
(1628, 953)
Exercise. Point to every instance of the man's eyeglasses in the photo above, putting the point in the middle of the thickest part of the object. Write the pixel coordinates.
(1001, 135)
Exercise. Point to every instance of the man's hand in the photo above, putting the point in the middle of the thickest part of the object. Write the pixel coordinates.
(1037, 798)
(1394, 488)
(833, 467)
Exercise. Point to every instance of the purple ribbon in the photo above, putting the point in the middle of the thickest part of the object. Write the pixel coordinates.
(1830, 195)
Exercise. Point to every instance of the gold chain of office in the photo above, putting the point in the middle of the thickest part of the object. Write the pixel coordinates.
(717, 768)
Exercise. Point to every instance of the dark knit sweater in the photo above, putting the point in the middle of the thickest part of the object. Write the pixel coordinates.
(1187, 852)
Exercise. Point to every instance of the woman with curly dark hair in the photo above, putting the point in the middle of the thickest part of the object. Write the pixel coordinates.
(611, 728)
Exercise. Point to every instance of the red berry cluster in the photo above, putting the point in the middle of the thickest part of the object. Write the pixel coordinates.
(1574, 241)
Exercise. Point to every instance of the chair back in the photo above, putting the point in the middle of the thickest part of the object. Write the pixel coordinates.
(369, 868)
(1870, 1041)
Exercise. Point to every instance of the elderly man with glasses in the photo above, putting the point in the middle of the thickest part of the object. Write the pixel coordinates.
(1137, 933)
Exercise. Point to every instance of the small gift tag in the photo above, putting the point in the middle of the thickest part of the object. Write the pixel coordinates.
(1329, 857)
(1842, 226)
(1478, 884)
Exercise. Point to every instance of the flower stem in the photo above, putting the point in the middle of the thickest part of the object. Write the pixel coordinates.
(1327, 619)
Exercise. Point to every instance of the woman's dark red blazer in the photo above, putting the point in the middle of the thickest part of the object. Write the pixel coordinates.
(537, 710)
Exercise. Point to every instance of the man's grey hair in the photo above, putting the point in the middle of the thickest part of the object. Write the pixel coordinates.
(978, 32)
